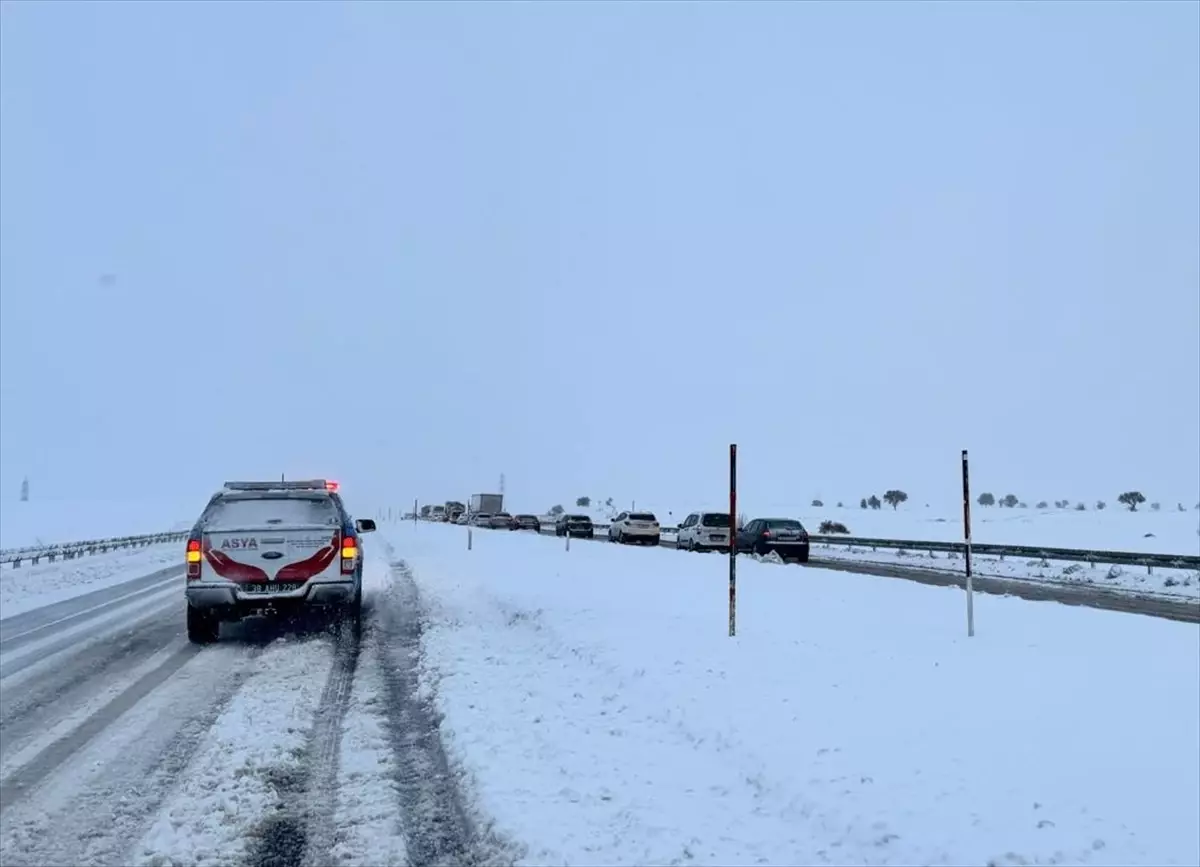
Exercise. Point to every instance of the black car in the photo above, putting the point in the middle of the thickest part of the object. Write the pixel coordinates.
(580, 526)
(785, 536)
(525, 522)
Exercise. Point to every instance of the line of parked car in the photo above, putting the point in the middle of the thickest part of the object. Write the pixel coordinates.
(501, 521)
(699, 531)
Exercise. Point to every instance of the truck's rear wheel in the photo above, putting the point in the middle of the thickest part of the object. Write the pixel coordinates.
(202, 627)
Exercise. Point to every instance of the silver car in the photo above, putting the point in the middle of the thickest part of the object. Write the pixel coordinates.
(704, 531)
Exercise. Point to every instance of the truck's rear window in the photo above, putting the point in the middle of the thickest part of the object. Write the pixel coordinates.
(271, 511)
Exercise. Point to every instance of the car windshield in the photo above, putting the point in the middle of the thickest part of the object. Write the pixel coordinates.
(642, 516)
(715, 519)
(236, 514)
(784, 524)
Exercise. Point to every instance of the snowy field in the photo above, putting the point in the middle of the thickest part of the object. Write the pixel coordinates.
(47, 522)
(601, 715)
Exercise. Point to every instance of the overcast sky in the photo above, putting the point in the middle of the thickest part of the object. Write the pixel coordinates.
(414, 246)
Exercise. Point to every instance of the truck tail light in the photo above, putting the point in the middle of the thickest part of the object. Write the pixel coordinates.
(193, 559)
(349, 554)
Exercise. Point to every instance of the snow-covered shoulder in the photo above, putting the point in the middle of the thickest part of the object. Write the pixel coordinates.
(36, 586)
(604, 715)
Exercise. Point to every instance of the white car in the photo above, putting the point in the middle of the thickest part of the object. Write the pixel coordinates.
(480, 519)
(638, 527)
(704, 531)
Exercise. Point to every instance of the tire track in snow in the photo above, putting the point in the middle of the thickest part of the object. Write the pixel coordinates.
(28, 713)
(303, 832)
(17, 784)
(107, 790)
(438, 828)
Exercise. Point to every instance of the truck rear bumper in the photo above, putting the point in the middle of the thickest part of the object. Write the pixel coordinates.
(226, 603)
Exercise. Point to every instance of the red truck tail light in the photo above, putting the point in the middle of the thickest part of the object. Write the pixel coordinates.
(349, 554)
(193, 559)
(766, 534)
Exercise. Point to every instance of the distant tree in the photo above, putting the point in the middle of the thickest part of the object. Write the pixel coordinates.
(894, 498)
(1100, 505)
(741, 520)
(1043, 505)
(874, 502)
(583, 502)
(608, 502)
(1022, 505)
(862, 504)
(987, 500)
(817, 504)
(1010, 501)
(829, 528)
(1180, 506)
(1154, 507)
(1080, 507)
(840, 506)
(556, 510)
(1132, 499)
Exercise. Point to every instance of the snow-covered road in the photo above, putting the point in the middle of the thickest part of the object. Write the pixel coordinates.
(121, 743)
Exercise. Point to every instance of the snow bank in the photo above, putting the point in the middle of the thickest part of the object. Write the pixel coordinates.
(1159, 581)
(605, 717)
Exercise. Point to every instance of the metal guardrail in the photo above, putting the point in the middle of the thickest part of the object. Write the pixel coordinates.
(1031, 552)
(34, 554)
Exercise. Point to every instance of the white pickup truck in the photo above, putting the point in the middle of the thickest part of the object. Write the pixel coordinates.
(270, 548)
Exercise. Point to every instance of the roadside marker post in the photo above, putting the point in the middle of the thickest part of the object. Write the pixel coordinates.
(468, 537)
(967, 538)
(732, 539)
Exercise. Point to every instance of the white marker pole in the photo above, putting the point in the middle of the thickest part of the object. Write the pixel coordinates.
(568, 537)
(468, 537)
